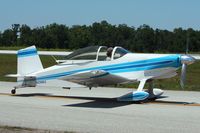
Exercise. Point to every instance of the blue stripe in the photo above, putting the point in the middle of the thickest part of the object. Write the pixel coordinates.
(140, 65)
(28, 52)
(166, 58)
(102, 68)
(125, 67)
(168, 61)
(146, 67)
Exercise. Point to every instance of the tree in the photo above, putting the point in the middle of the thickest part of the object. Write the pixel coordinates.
(1, 39)
(8, 38)
(144, 39)
(179, 40)
(102, 33)
(80, 37)
(193, 40)
(39, 38)
(58, 34)
(125, 36)
(15, 29)
(25, 35)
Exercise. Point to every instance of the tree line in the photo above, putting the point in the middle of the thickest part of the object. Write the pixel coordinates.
(141, 39)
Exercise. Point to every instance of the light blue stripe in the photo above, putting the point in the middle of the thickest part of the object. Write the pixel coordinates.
(136, 96)
(121, 69)
(166, 58)
(168, 61)
(147, 67)
(112, 68)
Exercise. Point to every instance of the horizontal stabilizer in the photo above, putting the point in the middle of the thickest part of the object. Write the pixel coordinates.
(14, 75)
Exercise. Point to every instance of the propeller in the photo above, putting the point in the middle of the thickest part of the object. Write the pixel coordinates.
(183, 76)
(185, 60)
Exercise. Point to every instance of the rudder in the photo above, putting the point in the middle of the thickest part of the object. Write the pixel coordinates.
(28, 61)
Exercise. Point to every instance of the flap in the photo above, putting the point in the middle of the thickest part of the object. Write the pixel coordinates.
(85, 75)
(95, 78)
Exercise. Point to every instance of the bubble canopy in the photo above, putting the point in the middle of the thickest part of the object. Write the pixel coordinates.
(96, 53)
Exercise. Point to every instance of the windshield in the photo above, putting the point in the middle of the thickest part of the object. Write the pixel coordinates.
(119, 52)
(102, 54)
(88, 53)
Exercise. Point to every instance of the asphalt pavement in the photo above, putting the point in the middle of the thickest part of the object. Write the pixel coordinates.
(97, 111)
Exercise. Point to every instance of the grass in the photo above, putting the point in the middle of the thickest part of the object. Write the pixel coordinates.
(8, 65)
(41, 49)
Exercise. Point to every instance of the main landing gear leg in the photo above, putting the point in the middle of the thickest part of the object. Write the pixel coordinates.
(150, 90)
(150, 87)
(154, 93)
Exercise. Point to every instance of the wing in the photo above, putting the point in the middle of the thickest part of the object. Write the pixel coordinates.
(55, 53)
(95, 78)
(196, 56)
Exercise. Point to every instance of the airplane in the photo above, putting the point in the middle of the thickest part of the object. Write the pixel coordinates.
(91, 67)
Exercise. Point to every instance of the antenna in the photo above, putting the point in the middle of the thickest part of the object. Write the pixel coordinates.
(187, 43)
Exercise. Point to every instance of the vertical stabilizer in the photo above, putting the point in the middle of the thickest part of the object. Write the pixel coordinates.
(28, 61)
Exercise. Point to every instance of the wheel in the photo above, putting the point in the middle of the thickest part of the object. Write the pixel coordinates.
(13, 91)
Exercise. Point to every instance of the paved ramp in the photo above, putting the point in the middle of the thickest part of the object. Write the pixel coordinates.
(82, 110)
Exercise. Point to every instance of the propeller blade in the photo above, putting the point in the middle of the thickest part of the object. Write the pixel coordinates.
(183, 75)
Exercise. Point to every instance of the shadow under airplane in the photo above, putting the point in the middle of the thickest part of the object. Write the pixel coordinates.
(94, 102)
(100, 102)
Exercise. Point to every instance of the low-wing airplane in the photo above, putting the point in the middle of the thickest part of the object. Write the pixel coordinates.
(91, 67)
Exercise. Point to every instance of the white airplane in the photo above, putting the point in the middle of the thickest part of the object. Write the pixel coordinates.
(91, 67)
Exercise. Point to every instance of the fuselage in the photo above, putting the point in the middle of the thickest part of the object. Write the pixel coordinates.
(131, 66)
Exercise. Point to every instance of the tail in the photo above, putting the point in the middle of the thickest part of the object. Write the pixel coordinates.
(28, 61)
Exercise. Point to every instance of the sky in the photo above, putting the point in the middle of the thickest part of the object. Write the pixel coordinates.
(162, 14)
